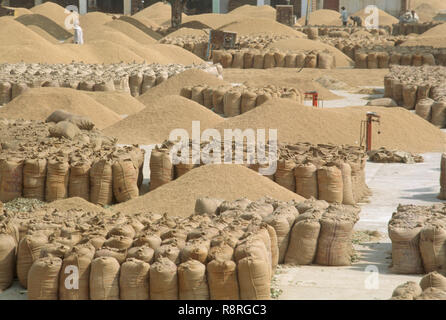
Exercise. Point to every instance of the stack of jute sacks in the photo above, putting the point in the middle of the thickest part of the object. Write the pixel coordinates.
(431, 287)
(48, 166)
(326, 172)
(337, 32)
(419, 88)
(225, 250)
(234, 100)
(266, 59)
(383, 57)
(417, 28)
(134, 79)
(442, 194)
(418, 235)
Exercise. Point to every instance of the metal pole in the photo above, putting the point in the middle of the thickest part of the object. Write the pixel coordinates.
(369, 133)
(308, 12)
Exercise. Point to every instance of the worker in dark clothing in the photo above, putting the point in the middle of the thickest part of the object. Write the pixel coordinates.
(357, 21)
(141, 5)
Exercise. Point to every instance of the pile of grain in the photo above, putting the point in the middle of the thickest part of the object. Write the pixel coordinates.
(264, 11)
(39, 103)
(426, 12)
(45, 24)
(434, 37)
(52, 11)
(131, 31)
(45, 35)
(385, 19)
(73, 203)
(248, 26)
(177, 198)
(119, 102)
(322, 17)
(305, 44)
(173, 85)
(399, 128)
(19, 11)
(187, 32)
(159, 12)
(213, 20)
(154, 123)
(93, 20)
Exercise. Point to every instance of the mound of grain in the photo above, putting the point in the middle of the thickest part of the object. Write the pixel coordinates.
(146, 21)
(434, 37)
(52, 11)
(39, 103)
(230, 182)
(435, 4)
(305, 44)
(400, 129)
(43, 34)
(385, 19)
(322, 17)
(426, 12)
(46, 24)
(131, 31)
(159, 12)
(119, 102)
(73, 203)
(94, 19)
(19, 11)
(187, 32)
(266, 12)
(246, 26)
(154, 123)
(15, 33)
(214, 20)
(173, 85)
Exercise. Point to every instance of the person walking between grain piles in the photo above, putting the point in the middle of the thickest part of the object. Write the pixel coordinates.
(357, 21)
(344, 16)
(78, 34)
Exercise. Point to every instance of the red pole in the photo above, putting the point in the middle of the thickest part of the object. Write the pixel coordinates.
(315, 99)
(369, 132)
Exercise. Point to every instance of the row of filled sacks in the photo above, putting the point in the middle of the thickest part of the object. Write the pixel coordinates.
(442, 194)
(333, 31)
(382, 60)
(417, 28)
(232, 101)
(101, 181)
(418, 235)
(431, 287)
(261, 59)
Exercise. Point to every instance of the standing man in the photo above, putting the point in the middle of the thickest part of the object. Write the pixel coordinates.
(344, 16)
(78, 33)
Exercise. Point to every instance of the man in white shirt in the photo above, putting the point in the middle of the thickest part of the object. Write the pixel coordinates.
(78, 34)
(344, 16)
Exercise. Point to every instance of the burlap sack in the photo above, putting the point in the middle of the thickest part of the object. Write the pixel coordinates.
(248, 101)
(222, 279)
(125, 180)
(432, 294)
(149, 81)
(290, 60)
(417, 60)
(43, 279)
(258, 60)
(161, 168)
(119, 255)
(197, 94)
(347, 185)
(428, 59)
(238, 59)
(361, 60)
(248, 60)
(284, 175)
(406, 59)
(163, 280)
(105, 85)
(310, 60)
(17, 89)
(195, 250)
(423, 92)
(207, 97)
(104, 279)
(169, 251)
(87, 85)
(330, 184)
(325, 61)
(222, 251)
(118, 242)
(424, 108)
(395, 59)
(7, 260)
(433, 248)
(217, 100)
(383, 60)
(269, 61)
(232, 103)
(388, 87)
(70, 286)
(192, 281)
(58, 173)
(409, 96)
(439, 114)
(186, 92)
(122, 83)
(11, 179)
(101, 183)
(79, 180)
(263, 97)
(226, 59)
(282, 227)
(64, 129)
(134, 280)
(306, 180)
(143, 253)
(410, 288)
(372, 60)
(303, 242)
(254, 279)
(5, 92)
(406, 257)
(28, 251)
(135, 83)
(433, 280)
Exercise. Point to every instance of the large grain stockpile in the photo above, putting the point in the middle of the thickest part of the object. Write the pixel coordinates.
(66, 158)
(225, 250)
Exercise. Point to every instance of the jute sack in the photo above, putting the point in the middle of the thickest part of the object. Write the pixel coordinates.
(303, 242)
(397, 91)
(360, 60)
(134, 280)
(248, 101)
(248, 60)
(409, 96)
(186, 92)
(149, 81)
(423, 92)
(87, 85)
(11, 179)
(269, 61)
(73, 287)
(300, 60)
(125, 180)
(395, 59)
(64, 129)
(237, 60)
(311, 61)
(424, 108)
(417, 60)
(7, 260)
(161, 77)
(372, 60)
(5, 93)
(207, 97)
(429, 59)
(197, 94)
(104, 279)
(279, 58)
(17, 89)
(406, 59)
(433, 248)
(262, 98)
(383, 60)
(135, 83)
(258, 60)
(163, 280)
(406, 257)
(195, 250)
(169, 251)
(254, 279)
(325, 61)
(226, 60)
(122, 83)
(207, 206)
(222, 279)
(306, 180)
(216, 56)
(58, 172)
(251, 247)
(274, 246)
(347, 185)
(433, 280)
(118, 242)
(357, 188)
(439, 114)
(28, 251)
(284, 175)
(334, 244)
(101, 183)
(409, 288)
(181, 169)
(282, 227)
(79, 181)
(290, 60)
(330, 184)
(232, 103)
(143, 253)
(161, 168)
(388, 87)
(119, 255)
(43, 279)
(217, 100)
(192, 281)
(105, 85)
(34, 176)
(432, 294)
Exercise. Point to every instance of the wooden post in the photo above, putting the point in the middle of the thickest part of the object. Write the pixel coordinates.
(177, 12)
